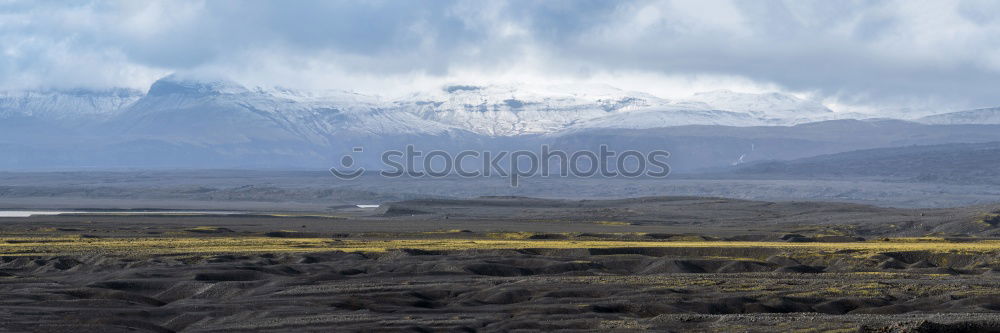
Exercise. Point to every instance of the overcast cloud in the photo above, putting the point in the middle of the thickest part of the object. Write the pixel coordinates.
(852, 54)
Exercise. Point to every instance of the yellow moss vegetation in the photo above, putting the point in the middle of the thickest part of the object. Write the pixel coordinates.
(614, 223)
(177, 245)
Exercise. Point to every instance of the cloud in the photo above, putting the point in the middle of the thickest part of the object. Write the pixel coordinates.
(876, 54)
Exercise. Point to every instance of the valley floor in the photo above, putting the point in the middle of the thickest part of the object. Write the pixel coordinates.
(506, 264)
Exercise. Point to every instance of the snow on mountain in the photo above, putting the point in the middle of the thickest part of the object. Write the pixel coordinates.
(216, 123)
(66, 104)
(216, 111)
(989, 116)
(653, 118)
(504, 110)
(767, 105)
(225, 112)
(723, 107)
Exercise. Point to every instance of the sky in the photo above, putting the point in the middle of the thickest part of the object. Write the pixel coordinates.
(867, 56)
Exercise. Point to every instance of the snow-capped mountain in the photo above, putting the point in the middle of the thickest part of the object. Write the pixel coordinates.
(767, 105)
(989, 116)
(505, 110)
(225, 112)
(519, 109)
(722, 107)
(185, 122)
(188, 109)
(667, 117)
(66, 104)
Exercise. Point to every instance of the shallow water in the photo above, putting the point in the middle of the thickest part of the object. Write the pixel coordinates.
(26, 213)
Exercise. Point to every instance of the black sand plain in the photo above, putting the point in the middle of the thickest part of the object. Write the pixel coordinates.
(508, 264)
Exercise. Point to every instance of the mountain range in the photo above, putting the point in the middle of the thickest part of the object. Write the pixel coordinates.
(499, 110)
(182, 122)
(957, 163)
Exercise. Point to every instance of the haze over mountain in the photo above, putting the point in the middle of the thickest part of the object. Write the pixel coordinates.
(722, 142)
(970, 117)
(498, 110)
(76, 104)
(956, 163)
(183, 122)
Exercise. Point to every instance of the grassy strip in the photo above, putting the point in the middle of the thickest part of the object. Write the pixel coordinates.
(207, 245)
